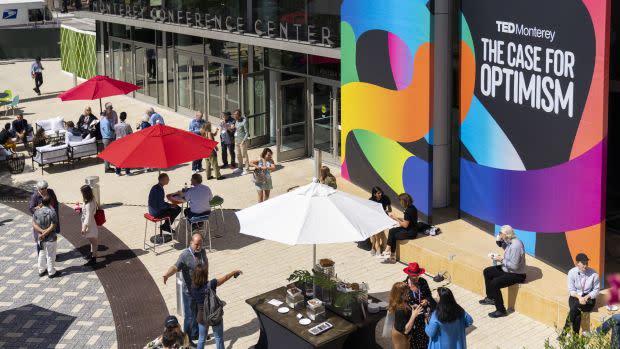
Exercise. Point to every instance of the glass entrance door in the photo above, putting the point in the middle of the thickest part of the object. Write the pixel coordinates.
(326, 123)
(292, 130)
(255, 107)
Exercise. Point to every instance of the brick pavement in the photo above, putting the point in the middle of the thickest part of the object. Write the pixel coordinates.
(67, 312)
(265, 264)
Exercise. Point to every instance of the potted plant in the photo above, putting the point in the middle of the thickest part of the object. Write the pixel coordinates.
(346, 298)
(326, 284)
(304, 280)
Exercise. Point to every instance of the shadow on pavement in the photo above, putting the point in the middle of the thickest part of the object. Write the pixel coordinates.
(237, 332)
(41, 318)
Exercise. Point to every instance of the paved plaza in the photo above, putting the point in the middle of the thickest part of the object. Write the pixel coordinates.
(71, 302)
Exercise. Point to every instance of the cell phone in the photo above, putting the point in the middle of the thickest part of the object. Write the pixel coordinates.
(236, 275)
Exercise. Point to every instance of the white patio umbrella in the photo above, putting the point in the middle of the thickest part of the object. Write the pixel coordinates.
(315, 214)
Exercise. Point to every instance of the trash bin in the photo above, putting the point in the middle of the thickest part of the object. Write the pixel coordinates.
(93, 183)
(180, 283)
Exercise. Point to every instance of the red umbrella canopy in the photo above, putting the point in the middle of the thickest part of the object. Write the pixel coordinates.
(157, 146)
(98, 87)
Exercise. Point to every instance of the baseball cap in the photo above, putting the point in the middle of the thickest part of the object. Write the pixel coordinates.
(581, 257)
(171, 321)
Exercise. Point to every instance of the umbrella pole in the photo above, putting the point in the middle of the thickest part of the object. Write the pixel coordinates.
(313, 255)
(100, 107)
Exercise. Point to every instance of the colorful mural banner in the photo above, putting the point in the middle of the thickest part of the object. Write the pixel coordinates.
(386, 121)
(534, 89)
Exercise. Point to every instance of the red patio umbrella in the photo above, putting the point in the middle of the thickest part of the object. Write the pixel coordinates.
(96, 88)
(158, 146)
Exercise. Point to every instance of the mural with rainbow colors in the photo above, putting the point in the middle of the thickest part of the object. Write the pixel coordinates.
(541, 172)
(386, 122)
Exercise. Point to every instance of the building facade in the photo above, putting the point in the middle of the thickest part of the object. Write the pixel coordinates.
(496, 112)
(276, 60)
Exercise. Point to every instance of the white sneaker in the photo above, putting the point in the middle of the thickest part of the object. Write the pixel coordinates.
(244, 172)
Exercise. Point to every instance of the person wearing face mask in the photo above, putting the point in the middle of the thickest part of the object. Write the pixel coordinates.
(188, 260)
(36, 201)
(583, 287)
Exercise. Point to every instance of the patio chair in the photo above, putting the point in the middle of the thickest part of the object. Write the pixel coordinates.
(7, 97)
(217, 203)
(13, 105)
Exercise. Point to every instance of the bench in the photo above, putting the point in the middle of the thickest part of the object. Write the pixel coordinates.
(69, 152)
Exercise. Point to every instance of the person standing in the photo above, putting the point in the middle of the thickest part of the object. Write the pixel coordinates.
(44, 222)
(36, 201)
(407, 228)
(241, 143)
(212, 159)
(158, 207)
(262, 176)
(376, 241)
(144, 123)
(187, 262)
(36, 72)
(584, 286)
(201, 287)
(227, 137)
(89, 227)
(110, 113)
(121, 130)
(446, 327)
(420, 296)
(195, 127)
(107, 136)
(154, 118)
(85, 122)
(512, 270)
(404, 316)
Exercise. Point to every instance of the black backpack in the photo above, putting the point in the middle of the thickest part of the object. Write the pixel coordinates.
(213, 309)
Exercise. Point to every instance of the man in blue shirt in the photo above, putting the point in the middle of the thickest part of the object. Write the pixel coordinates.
(158, 207)
(154, 118)
(107, 137)
(194, 127)
(36, 71)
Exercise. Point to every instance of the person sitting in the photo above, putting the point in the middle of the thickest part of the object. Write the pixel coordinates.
(376, 241)
(583, 288)
(158, 207)
(171, 326)
(70, 126)
(154, 118)
(39, 140)
(407, 228)
(327, 177)
(5, 138)
(144, 122)
(198, 196)
(20, 128)
(510, 272)
(85, 121)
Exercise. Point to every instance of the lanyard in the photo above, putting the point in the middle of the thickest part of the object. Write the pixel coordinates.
(583, 282)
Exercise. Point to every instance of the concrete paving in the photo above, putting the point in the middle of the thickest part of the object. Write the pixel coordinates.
(265, 264)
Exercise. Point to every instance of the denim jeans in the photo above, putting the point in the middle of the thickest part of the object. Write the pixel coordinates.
(190, 326)
(613, 324)
(218, 331)
(197, 165)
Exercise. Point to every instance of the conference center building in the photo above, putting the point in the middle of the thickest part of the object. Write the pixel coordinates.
(276, 60)
(495, 112)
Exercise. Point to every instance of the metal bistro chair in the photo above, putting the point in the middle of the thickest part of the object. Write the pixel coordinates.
(217, 203)
(189, 223)
(157, 239)
(13, 105)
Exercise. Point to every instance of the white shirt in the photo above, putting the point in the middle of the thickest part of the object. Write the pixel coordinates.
(583, 283)
(199, 198)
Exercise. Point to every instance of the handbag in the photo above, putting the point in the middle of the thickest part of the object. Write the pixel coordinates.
(258, 176)
(100, 216)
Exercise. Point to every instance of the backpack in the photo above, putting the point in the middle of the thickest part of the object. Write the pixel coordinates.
(213, 309)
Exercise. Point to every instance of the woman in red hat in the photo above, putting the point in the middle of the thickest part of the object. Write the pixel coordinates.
(419, 296)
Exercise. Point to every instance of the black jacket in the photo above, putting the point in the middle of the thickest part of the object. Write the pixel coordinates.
(425, 293)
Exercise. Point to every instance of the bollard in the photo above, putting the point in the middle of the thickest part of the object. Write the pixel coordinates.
(93, 183)
(318, 162)
(180, 308)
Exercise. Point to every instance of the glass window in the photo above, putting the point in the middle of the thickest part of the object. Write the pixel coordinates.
(323, 117)
(215, 89)
(231, 80)
(222, 49)
(259, 58)
(119, 30)
(35, 15)
(183, 66)
(290, 12)
(140, 70)
(198, 83)
(160, 75)
(171, 87)
(117, 60)
(151, 71)
(325, 14)
(189, 43)
(144, 35)
(286, 60)
(127, 63)
(324, 67)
